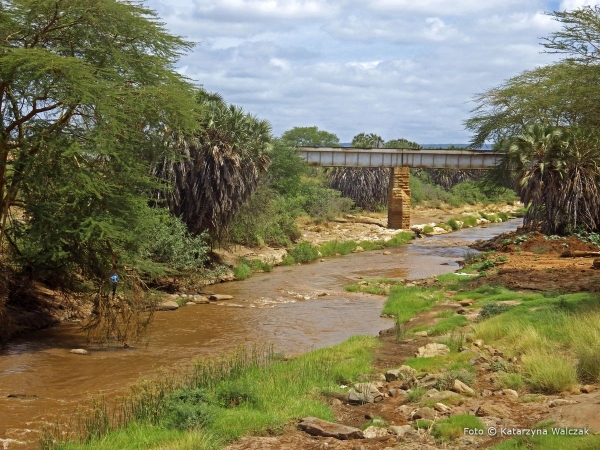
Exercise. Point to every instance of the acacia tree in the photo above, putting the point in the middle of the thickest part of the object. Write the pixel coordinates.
(546, 121)
(309, 137)
(86, 88)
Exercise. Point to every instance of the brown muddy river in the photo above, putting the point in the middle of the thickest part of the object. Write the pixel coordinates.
(282, 307)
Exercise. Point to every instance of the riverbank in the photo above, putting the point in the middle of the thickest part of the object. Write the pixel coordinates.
(496, 340)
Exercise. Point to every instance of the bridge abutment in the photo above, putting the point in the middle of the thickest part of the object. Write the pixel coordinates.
(399, 198)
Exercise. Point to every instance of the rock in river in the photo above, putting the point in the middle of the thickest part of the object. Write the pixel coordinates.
(167, 306)
(79, 351)
(217, 297)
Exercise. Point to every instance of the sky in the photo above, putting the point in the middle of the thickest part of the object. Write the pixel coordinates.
(398, 68)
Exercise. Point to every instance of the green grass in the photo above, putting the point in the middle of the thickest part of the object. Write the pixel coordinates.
(415, 394)
(445, 314)
(334, 248)
(246, 393)
(379, 286)
(437, 364)
(405, 302)
(550, 442)
(399, 239)
(448, 324)
(143, 437)
(453, 427)
(242, 271)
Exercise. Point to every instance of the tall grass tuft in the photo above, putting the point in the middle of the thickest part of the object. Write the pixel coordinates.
(548, 373)
(585, 334)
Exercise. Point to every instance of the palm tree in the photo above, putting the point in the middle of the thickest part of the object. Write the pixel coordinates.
(557, 177)
(219, 168)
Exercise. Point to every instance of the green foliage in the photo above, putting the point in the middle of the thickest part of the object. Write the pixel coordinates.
(219, 167)
(309, 137)
(168, 242)
(242, 271)
(415, 394)
(404, 302)
(453, 427)
(186, 409)
(492, 309)
(266, 219)
(82, 130)
(304, 252)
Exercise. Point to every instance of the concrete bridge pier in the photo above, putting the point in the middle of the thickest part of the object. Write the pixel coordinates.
(399, 198)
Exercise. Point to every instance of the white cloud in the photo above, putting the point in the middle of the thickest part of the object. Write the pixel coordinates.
(399, 68)
(576, 4)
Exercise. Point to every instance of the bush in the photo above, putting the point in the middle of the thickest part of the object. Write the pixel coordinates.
(168, 242)
(492, 309)
(304, 252)
(242, 271)
(186, 409)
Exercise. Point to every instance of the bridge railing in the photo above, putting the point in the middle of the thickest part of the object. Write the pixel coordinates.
(384, 157)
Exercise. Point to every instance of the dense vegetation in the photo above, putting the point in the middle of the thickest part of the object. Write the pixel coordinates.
(546, 122)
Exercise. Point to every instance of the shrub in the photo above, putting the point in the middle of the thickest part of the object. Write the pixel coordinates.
(452, 223)
(186, 409)
(492, 309)
(242, 271)
(304, 252)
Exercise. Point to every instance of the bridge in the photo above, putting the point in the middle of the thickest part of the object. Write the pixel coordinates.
(399, 161)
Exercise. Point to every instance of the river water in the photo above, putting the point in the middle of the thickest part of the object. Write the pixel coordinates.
(296, 308)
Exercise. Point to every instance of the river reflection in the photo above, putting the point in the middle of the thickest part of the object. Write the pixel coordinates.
(296, 308)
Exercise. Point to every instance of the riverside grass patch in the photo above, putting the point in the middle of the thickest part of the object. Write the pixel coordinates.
(250, 391)
(550, 442)
(305, 252)
(535, 327)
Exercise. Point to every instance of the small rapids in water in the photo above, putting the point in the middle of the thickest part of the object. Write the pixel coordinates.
(296, 308)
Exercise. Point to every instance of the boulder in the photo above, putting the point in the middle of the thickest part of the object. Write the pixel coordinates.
(401, 373)
(433, 349)
(401, 430)
(219, 297)
(440, 407)
(374, 432)
(360, 398)
(461, 388)
(510, 393)
(425, 413)
(167, 306)
(561, 402)
(79, 351)
(200, 299)
(487, 410)
(587, 389)
(319, 427)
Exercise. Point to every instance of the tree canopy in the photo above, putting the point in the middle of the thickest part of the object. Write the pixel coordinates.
(87, 88)
(546, 121)
(309, 137)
